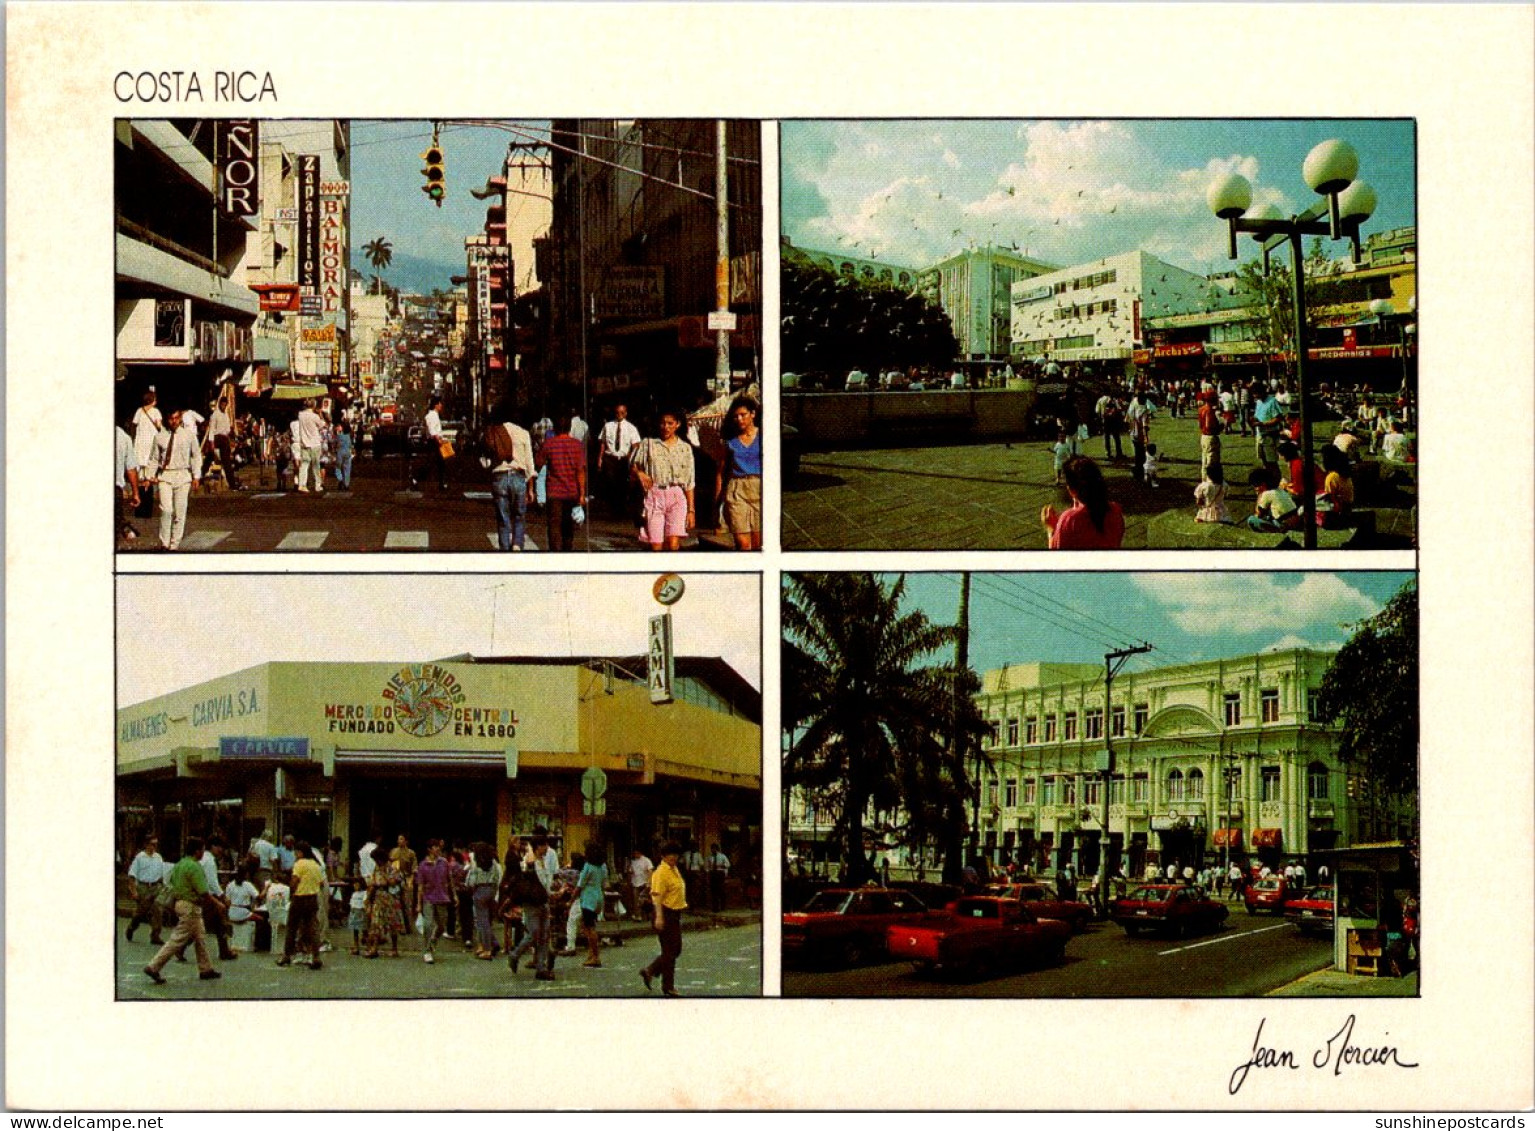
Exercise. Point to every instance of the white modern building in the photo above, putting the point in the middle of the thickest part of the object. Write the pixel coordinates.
(849, 266)
(1096, 311)
(975, 288)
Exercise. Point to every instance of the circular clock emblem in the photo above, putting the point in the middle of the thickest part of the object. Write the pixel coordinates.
(668, 589)
(423, 706)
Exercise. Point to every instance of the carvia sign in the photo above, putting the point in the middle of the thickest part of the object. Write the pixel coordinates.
(281, 748)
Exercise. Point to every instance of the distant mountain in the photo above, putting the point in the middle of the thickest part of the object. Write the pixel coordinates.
(412, 274)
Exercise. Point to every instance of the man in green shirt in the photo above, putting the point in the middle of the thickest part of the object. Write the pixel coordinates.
(189, 885)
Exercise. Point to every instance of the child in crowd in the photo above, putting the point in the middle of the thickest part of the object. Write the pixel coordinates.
(1210, 496)
(357, 917)
(1063, 452)
(1150, 467)
(274, 901)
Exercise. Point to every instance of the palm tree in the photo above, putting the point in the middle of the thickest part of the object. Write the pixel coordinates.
(379, 252)
(871, 719)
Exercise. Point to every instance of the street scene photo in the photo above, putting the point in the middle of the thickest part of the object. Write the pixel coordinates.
(1163, 334)
(1100, 785)
(484, 335)
(534, 786)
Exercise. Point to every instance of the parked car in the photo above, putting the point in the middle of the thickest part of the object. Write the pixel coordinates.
(846, 925)
(1267, 894)
(1041, 898)
(982, 934)
(1312, 912)
(1178, 909)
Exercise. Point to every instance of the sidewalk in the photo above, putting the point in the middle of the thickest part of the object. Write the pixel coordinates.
(1335, 983)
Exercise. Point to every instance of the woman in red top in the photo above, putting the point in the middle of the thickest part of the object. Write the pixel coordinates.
(1092, 522)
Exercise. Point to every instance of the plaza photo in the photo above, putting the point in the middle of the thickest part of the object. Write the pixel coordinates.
(1100, 784)
(407, 753)
(995, 331)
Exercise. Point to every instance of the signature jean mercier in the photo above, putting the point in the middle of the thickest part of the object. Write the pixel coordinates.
(1340, 1050)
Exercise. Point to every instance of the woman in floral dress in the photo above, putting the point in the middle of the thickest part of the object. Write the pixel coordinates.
(384, 915)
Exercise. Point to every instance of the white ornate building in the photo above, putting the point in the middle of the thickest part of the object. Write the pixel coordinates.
(1214, 758)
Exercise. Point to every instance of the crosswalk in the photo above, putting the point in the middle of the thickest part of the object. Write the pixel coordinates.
(204, 541)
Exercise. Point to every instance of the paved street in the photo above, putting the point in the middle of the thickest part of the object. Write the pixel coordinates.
(723, 962)
(375, 516)
(987, 496)
(1251, 955)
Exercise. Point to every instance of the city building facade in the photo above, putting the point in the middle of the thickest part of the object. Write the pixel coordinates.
(1214, 761)
(467, 748)
(1096, 311)
(849, 266)
(631, 261)
(974, 288)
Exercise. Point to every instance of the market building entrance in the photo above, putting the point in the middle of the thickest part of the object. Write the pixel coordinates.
(457, 810)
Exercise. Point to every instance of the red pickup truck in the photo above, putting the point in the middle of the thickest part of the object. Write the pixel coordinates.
(979, 935)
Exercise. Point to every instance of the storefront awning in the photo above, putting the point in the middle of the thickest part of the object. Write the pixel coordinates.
(1227, 838)
(1268, 838)
(491, 759)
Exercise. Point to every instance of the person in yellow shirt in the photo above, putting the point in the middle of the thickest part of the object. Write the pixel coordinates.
(304, 907)
(668, 893)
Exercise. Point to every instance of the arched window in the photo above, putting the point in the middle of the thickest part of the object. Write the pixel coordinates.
(1195, 787)
(1317, 782)
(1175, 785)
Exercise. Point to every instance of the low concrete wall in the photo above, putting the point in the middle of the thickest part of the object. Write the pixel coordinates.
(839, 420)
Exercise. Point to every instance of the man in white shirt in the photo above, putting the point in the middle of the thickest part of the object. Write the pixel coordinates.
(619, 439)
(180, 465)
(578, 429)
(311, 442)
(640, 869)
(265, 853)
(432, 422)
(144, 877)
(220, 440)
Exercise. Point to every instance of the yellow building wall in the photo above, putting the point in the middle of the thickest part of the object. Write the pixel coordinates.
(678, 739)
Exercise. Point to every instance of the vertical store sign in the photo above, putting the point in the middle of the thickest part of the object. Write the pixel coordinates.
(661, 658)
(333, 196)
(309, 221)
(239, 190)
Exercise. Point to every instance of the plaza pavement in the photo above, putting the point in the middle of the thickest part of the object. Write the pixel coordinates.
(987, 496)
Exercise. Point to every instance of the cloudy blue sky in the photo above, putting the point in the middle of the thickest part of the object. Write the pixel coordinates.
(1186, 616)
(912, 192)
(387, 199)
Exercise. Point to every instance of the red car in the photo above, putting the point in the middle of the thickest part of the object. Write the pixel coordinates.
(847, 924)
(1312, 913)
(1041, 899)
(1178, 909)
(979, 935)
(1267, 894)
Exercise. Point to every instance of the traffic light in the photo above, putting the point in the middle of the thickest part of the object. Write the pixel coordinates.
(436, 178)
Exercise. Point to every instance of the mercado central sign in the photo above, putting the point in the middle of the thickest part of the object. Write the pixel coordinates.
(428, 706)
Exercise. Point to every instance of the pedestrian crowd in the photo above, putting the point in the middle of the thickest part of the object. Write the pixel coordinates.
(289, 896)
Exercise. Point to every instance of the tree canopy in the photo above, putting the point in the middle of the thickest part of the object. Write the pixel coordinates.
(834, 323)
(1371, 693)
(874, 721)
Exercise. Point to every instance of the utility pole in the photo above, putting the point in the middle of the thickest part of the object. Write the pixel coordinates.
(1112, 662)
(721, 263)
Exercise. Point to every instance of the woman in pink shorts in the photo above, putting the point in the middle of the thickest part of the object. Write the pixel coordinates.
(664, 469)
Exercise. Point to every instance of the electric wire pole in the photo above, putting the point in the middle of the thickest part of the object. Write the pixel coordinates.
(1112, 662)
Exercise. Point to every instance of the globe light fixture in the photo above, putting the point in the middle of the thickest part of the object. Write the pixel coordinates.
(1331, 170)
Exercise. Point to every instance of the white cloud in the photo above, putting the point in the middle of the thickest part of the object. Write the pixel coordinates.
(1065, 192)
(1245, 604)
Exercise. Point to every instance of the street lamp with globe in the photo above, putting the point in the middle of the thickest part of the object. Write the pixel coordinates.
(1331, 169)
